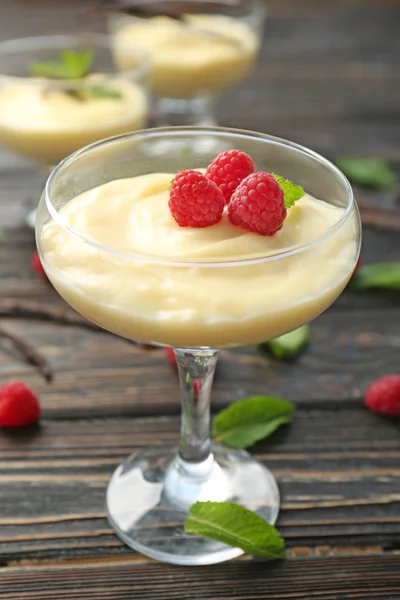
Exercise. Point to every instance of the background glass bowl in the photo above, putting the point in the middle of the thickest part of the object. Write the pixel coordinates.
(198, 50)
(40, 118)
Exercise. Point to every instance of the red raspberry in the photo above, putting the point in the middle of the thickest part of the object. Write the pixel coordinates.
(383, 396)
(37, 265)
(171, 357)
(258, 204)
(228, 170)
(195, 201)
(19, 405)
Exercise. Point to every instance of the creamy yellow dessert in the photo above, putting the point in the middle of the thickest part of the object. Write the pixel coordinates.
(202, 54)
(41, 121)
(193, 305)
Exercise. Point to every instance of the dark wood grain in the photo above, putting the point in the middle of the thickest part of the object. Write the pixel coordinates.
(363, 577)
(328, 78)
(340, 488)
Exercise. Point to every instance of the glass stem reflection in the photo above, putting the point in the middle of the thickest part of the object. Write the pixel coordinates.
(196, 372)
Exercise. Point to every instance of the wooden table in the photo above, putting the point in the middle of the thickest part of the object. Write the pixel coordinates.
(328, 78)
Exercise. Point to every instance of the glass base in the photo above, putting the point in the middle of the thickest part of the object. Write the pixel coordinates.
(150, 494)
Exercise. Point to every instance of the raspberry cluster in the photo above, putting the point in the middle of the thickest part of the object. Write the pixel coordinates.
(255, 200)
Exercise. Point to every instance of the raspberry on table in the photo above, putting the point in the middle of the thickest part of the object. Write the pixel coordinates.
(383, 396)
(170, 353)
(229, 169)
(19, 405)
(258, 204)
(195, 201)
(37, 265)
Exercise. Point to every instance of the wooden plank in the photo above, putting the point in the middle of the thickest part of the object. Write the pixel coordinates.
(366, 578)
(100, 374)
(340, 485)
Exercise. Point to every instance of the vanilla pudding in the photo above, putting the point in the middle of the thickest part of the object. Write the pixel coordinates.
(192, 305)
(200, 55)
(42, 121)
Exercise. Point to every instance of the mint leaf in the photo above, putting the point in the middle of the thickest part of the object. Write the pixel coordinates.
(236, 526)
(251, 419)
(101, 91)
(71, 65)
(50, 70)
(290, 345)
(291, 191)
(78, 63)
(373, 173)
(385, 275)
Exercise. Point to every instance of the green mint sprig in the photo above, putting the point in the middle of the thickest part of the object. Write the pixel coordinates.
(98, 91)
(290, 345)
(375, 173)
(252, 419)
(236, 526)
(384, 275)
(71, 65)
(292, 192)
(72, 68)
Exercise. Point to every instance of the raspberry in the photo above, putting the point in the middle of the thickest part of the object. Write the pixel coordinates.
(19, 405)
(228, 170)
(258, 204)
(383, 396)
(195, 201)
(171, 357)
(37, 265)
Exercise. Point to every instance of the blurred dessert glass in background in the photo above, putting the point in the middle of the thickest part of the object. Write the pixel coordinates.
(59, 93)
(197, 50)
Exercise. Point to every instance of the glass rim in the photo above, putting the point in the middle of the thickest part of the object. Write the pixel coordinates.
(15, 46)
(149, 259)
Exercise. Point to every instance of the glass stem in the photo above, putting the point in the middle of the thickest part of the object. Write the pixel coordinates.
(196, 372)
(193, 112)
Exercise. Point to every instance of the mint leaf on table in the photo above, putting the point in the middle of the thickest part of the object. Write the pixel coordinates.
(245, 422)
(367, 172)
(71, 65)
(292, 192)
(290, 345)
(235, 526)
(385, 275)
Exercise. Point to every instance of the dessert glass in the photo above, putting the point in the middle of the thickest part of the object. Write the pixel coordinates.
(208, 48)
(198, 307)
(40, 120)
